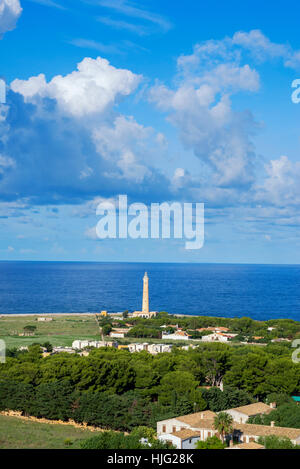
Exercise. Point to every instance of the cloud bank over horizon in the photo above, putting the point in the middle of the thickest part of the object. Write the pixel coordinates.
(98, 129)
(93, 149)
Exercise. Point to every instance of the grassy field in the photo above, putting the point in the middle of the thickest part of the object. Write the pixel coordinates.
(16, 433)
(62, 330)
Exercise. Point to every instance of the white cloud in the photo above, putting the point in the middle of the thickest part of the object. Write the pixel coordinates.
(132, 10)
(49, 3)
(10, 11)
(92, 88)
(281, 185)
(91, 233)
(263, 49)
(5, 163)
(123, 25)
(91, 148)
(201, 109)
(259, 44)
(98, 46)
(126, 143)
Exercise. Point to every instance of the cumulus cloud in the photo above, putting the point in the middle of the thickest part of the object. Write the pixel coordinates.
(263, 49)
(281, 185)
(259, 44)
(123, 143)
(10, 11)
(200, 107)
(92, 88)
(64, 141)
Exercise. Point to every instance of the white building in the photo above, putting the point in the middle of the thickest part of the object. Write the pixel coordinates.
(151, 348)
(45, 319)
(202, 426)
(81, 344)
(159, 348)
(117, 335)
(242, 414)
(217, 337)
(183, 439)
(60, 349)
(188, 347)
(136, 347)
(144, 315)
(178, 335)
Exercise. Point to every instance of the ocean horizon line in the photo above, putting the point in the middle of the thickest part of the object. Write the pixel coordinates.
(146, 262)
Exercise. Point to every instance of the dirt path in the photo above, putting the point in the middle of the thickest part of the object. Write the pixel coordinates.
(13, 413)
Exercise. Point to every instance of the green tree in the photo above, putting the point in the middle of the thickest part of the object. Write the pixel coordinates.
(223, 424)
(144, 432)
(212, 442)
(106, 329)
(48, 346)
(178, 383)
(274, 442)
(29, 328)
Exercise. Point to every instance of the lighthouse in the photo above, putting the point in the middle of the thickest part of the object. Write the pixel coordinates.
(145, 313)
(145, 308)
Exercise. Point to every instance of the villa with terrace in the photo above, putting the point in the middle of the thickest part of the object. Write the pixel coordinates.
(183, 432)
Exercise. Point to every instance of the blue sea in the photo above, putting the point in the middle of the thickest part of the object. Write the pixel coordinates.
(227, 290)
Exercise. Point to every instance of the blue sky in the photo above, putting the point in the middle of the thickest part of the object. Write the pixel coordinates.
(163, 101)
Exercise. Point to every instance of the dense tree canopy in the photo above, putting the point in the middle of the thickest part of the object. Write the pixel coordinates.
(118, 390)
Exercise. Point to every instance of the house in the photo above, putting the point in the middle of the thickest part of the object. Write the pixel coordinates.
(119, 333)
(251, 445)
(178, 335)
(201, 426)
(81, 344)
(242, 414)
(45, 319)
(60, 349)
(280, 339)
(183, 439)
(247, 433)
(194, 421)
(188, 347)
(159, 348)
(221, 329)
(218, 337)
(136, 347)
(151, 348)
